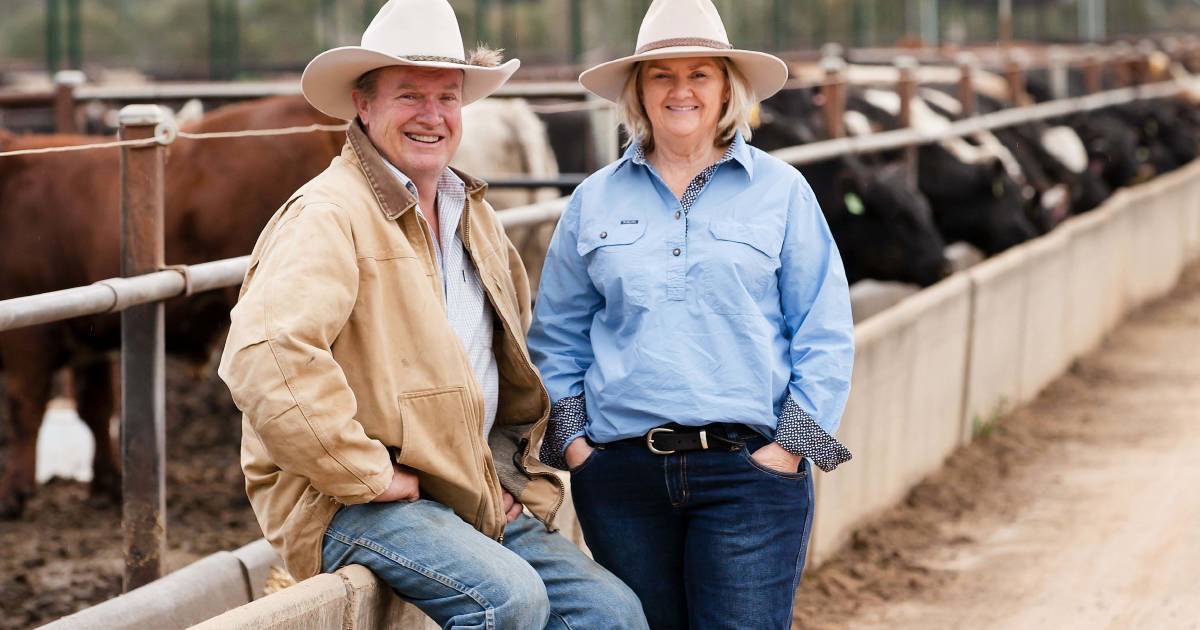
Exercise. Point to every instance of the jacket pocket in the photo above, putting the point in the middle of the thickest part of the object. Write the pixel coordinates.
(438, 439)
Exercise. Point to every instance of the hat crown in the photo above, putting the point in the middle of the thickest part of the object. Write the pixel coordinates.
(681, 20)
(415, 28)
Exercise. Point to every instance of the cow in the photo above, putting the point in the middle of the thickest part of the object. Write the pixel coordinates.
(883, 228)
(59, 228)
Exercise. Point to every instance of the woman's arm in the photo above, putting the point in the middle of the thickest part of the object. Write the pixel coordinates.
(560, 338)
(816, 307)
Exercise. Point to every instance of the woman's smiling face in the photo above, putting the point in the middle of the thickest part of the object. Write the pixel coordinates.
(683, 98)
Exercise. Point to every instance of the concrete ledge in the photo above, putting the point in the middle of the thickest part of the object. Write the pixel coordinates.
(994, 371)
(374, 605)
(1046, 344)
(903, 416)
(257, 558)
(318, 603)
(207, 587)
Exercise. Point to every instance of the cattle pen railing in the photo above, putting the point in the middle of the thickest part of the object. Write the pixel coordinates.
(147, 282)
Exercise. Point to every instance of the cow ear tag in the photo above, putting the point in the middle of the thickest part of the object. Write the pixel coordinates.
(854, 204)
(998, 188)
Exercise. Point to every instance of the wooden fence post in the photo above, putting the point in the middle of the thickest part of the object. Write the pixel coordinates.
(143, 437)
(967, 62)
(65, 82)
(1093, 71)
(1060, 62)
(834, 91)
(906, 88)
(1014, 75)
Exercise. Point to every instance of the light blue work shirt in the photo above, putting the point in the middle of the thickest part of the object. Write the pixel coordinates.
(713, 315)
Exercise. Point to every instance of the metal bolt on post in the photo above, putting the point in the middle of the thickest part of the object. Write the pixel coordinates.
(143, 439)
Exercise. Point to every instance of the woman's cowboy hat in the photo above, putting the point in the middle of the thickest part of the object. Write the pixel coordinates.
(421, 33)
(685, 28)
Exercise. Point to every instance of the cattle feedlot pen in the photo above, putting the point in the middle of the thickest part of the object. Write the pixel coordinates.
(145, 134)
(111, 296)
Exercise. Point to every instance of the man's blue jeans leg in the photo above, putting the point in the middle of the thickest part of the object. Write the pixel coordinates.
(465, 580)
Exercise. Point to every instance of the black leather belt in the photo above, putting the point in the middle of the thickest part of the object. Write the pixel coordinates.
(667, 440)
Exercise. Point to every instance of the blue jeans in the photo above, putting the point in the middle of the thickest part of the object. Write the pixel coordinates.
(707, 539)
(465, 580)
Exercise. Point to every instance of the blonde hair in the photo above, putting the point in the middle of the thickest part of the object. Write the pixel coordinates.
(631, 113)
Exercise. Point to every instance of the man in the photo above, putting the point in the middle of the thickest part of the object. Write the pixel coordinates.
(378, 354)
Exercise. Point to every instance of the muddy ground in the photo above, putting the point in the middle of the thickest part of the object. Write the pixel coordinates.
(66, 553)
(1081, 510)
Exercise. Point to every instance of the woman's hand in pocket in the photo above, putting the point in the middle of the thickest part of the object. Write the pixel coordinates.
(577, 452)
(774, 457)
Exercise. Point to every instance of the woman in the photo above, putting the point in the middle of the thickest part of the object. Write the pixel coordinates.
(694, 332)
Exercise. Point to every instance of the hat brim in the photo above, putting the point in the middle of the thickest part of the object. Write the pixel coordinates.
(766, 73)
(330, 76)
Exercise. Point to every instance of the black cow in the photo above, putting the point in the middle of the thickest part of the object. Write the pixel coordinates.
(883, 228)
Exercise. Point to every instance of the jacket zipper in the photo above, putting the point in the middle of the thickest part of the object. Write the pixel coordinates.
(492, 488)
(511, 339)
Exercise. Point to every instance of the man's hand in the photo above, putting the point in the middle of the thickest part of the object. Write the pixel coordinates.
(512, 509)
(404, 487)
(577, 452)
(774, 457)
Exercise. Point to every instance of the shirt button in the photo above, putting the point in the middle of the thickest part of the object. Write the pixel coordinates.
(675, 251)
(604, 235)
(678, 214)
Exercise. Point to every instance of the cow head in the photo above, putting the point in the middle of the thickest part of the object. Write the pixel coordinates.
(883, 227)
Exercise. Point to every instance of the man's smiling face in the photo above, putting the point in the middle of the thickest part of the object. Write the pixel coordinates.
(414, 117)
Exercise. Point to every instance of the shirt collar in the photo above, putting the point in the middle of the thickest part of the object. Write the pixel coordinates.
(738, 151)
(448, 178)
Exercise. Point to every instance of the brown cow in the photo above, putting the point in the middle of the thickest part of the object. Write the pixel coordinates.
(59, 228)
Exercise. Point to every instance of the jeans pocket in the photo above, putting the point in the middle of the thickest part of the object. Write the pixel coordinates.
(778, 474)
(585, 463)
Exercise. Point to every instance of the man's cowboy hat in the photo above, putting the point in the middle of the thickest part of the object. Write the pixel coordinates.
(422, 33)
(685, 28)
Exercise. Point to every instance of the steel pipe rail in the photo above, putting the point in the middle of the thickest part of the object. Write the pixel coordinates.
(117, 294)
(525, 216)
(180, 91)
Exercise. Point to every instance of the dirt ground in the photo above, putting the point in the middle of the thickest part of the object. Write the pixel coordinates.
(66, 553)
(1081, 510)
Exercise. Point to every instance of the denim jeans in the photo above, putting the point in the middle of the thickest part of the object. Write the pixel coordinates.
(465, 580)
(707, 539)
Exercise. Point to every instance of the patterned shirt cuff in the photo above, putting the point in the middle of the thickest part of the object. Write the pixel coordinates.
(568, 417)
(799, 434)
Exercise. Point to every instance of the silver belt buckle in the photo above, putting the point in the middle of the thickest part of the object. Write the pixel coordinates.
(650, 440)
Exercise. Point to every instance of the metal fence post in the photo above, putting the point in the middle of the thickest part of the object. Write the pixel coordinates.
(65, 82)
(143, 438)
(834, 91)
(906, 88)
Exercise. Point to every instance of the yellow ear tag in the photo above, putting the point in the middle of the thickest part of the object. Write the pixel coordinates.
(854, 204)
(755, 116)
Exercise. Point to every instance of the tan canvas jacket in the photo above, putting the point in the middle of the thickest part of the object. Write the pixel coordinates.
(341, 358)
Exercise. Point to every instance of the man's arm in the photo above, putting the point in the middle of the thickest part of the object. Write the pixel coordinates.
(278, 361)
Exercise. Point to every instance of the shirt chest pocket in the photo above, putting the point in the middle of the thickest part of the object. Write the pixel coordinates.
(741, 270)
(610, 248)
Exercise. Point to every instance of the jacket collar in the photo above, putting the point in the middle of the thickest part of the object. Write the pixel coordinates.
(393, 197)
